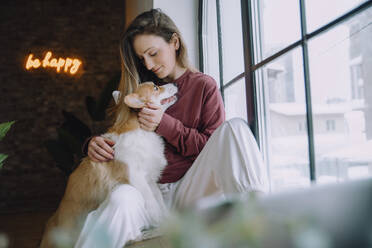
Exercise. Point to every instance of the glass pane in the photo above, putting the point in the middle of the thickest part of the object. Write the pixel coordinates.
(232, 40)
(278, 25)
(235, 100)
(341, 90)
(210, 37)
(285, 118)
(320, 12)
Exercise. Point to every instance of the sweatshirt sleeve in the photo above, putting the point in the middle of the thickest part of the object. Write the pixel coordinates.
(190, 141)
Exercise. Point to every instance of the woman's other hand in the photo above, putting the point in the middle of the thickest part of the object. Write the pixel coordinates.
(150, 117)
(100, 149)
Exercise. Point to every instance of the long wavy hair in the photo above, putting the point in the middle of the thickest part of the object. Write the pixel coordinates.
(133, 72)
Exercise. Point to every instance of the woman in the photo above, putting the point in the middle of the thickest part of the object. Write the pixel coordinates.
(199, 164)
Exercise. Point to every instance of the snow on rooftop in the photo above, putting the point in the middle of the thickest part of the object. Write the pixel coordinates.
(318, 109)
(353, 152)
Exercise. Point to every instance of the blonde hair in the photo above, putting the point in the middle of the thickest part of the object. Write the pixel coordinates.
(133, 72)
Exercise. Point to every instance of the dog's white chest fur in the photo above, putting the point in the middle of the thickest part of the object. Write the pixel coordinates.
(141, 151)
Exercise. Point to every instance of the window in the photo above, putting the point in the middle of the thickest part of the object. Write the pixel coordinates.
(356, 77)
(223, 58)
(330, 125)
(302, 126)
(297, 71)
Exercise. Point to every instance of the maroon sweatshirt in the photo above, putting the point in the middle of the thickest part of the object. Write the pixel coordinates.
(187, 125)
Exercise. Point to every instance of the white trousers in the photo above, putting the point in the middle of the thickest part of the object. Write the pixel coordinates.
(229, 163)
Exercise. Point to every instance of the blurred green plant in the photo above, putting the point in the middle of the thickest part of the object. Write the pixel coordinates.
(233, 223)
(66, 150)
(4, 128)
(241, 224)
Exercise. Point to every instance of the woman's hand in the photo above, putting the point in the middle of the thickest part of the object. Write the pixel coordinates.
(150, 117)
(100, 149)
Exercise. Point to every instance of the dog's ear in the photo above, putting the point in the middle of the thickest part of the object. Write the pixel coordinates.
(116, 95)
(133, 100)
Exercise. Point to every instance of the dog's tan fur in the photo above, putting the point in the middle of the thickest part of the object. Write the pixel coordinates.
(89, 185)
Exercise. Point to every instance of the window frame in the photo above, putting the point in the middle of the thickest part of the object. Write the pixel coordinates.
(249, 27)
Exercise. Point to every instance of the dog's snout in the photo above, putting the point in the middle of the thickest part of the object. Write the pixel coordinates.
(171, 88)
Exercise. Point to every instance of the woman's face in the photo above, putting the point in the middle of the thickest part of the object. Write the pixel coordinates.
(157, 55)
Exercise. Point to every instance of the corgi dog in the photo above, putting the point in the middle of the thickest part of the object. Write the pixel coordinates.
(138, 160)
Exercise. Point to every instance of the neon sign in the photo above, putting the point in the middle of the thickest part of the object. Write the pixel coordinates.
(68, 65)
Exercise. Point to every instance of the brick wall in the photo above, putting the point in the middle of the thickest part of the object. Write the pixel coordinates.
(89, 30)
